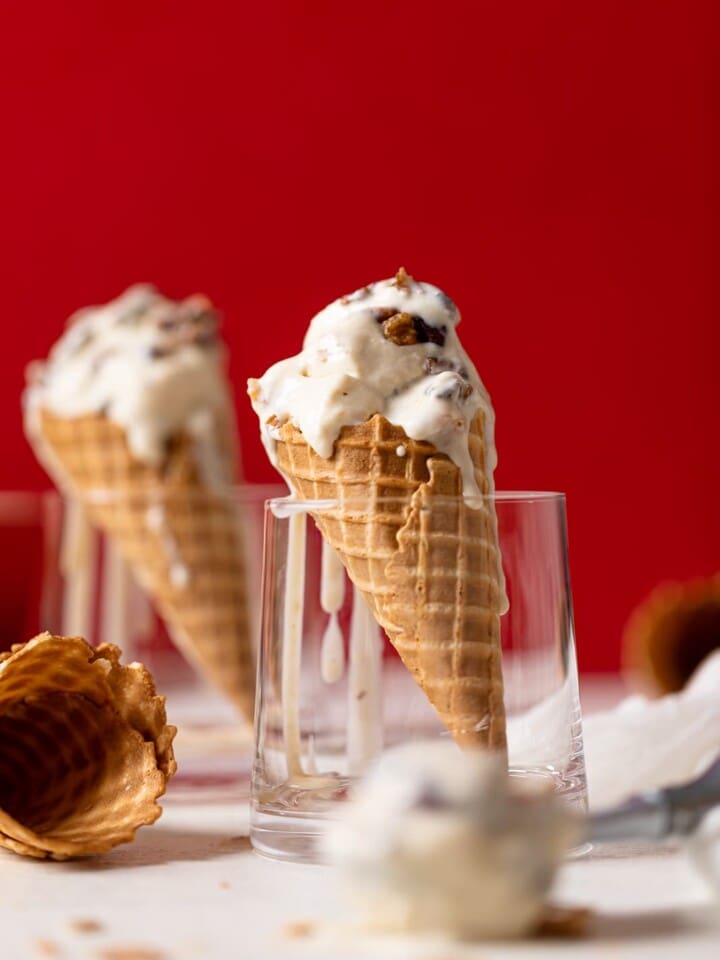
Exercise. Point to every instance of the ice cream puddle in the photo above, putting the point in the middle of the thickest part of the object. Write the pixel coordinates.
(389, 348)
(443, 842)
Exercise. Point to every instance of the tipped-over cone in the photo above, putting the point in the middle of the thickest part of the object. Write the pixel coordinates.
(426, 560)
(85, 749)
(672, 632)
(179, 535)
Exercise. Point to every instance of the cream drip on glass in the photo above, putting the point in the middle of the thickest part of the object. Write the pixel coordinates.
(389, 348)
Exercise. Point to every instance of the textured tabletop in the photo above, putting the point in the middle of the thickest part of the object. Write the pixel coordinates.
(191, 887)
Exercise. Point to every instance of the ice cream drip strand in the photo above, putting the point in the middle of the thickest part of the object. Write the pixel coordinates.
(292, 642)
(364, 724)
(332, 594)
(78, 566)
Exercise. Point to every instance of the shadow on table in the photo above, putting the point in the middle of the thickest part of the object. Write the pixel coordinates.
(152, 848)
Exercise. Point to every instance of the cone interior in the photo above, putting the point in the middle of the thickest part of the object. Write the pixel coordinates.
(84, 748)
(59, 763)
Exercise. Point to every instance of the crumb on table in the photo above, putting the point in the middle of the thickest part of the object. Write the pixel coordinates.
(130, 953)
(86, 925)
(298, 929)
(46, 948)
(564, 922)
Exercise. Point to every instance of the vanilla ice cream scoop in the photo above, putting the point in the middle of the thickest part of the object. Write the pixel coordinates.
(390, 348)
(152, 365)
(440, 840)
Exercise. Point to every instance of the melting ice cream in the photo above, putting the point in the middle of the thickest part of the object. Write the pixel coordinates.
(350, 368)
(150, 364)
(442, 841)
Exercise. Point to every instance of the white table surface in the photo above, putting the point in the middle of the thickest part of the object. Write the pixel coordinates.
(191, 887)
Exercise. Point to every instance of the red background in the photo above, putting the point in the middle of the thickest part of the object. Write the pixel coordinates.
(552, 165)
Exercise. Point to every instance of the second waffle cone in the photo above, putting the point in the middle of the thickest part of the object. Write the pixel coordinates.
(207, 614)
(425, 560)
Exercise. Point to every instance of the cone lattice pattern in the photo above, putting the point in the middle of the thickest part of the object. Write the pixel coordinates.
(85, 750)
(425, 560)
(181, 539)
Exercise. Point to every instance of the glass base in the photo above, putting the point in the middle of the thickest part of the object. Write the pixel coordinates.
(287, 821)
(283, 837)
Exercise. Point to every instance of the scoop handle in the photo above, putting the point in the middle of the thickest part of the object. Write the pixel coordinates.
(659, 814)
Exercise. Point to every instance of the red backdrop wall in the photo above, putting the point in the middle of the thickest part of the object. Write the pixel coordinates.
(552, 165)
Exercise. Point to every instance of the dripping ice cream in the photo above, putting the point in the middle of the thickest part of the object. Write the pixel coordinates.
(383, 414)
(131, 415)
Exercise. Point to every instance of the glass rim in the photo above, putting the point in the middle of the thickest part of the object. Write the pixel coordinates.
(26, 502)
(496, 497)
(239, 492)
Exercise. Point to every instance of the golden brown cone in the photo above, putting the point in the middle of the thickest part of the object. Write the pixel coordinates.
(426, 562)
(671, 632)
(85, 748)
(208, 614)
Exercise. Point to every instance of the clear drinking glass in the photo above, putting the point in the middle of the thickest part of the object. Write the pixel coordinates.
(333, 693)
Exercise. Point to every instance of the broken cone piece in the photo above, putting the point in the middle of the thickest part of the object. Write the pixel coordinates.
(85, 748)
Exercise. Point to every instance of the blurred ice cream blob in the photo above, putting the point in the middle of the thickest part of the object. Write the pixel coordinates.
(436, 840)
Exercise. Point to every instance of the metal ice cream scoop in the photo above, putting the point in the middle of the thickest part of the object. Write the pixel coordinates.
(660, 814)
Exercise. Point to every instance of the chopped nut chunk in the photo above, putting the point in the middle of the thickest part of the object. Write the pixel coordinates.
(400, 328)
(86, 925)
(402, 279)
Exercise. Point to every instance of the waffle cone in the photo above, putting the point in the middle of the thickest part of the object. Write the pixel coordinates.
(180, 538)
(85, 750)
(426, 562)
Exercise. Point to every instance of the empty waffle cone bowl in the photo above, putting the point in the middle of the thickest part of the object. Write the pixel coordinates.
(85, 748)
